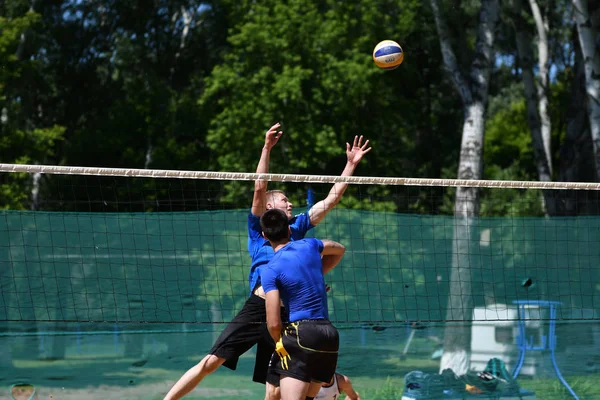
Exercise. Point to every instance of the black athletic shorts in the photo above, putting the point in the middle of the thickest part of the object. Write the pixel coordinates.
(247, 328)
(312, 346)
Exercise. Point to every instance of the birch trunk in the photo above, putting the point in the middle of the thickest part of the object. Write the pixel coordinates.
(543, 88)
(474, 93)
(457, 335)
(591, 59)
(149, 150)
(537, 102)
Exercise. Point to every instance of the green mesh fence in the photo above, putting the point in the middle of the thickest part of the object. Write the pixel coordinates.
(131, 300)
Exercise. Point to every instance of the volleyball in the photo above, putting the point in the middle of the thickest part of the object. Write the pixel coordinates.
(388, 55)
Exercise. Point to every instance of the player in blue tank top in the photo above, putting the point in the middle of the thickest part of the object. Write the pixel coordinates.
(297, 272)
(248, 327)
(306, 346)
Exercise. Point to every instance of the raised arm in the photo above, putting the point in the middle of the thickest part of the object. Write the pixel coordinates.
(259, 202)
(345, 386)
(354, 154)
(332, 254)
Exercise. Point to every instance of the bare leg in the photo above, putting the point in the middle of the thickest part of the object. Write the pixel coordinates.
(313, 389)
(193, 376)
(293, 389)
(272, 392)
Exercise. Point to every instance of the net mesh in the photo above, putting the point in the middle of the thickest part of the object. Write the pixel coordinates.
(117, 264)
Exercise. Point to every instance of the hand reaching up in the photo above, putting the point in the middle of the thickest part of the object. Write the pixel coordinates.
(358, 150)
(272, 136)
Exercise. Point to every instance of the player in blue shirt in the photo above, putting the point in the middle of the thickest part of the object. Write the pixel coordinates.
(248, 327)
(307, 346)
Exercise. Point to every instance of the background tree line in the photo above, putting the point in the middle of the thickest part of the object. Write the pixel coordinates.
(192, 85)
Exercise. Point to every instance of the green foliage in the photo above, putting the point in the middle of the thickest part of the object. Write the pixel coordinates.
(11, 30)
(12, 193)
(183, 84)
(363, 201)
(508, 140)
(31, 146)
(510, 202)
(312, 64)
(315, 75)
(509, 156)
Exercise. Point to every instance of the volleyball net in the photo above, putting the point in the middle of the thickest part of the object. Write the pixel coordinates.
(140, 264)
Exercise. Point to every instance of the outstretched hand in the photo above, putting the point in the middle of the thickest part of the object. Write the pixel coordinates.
(358, 150)
(272, 136)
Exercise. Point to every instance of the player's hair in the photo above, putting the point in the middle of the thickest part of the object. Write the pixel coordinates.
(275, 225)
(271, 194)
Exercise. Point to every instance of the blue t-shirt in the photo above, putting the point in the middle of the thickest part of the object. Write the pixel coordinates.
(297, 272)
(260, 249)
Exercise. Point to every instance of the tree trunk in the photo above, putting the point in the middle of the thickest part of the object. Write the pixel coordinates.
(457, 337)
(537, 101)
(35, 191)
(592, 73)
(149, 150)
(543, 88)
(576, 147)
(474, 93)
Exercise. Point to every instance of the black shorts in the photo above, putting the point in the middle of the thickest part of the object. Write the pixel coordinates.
(247, 328)
(313, 347)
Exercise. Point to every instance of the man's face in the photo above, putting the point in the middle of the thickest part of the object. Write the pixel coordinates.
(281, 202)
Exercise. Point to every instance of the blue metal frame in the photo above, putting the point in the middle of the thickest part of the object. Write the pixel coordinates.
(548, 343)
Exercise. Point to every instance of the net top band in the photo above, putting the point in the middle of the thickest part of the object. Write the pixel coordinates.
(245, 176)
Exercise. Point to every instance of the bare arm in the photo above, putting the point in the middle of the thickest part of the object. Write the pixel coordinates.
(259, 202)
(345, 386)
(332, 254)
(272, 305)
(354, 154)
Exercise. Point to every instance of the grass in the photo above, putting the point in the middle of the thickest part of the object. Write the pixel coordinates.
(380, 378)
(550, 388)
(98, 369)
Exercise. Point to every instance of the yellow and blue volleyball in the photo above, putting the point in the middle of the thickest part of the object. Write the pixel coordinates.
(388, 55)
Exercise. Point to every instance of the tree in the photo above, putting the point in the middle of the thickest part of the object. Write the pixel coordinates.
(591, 58)
(26, 138)
(473, 90)
(537, 100)
(120, 79)
(543, 82)
(576, 154)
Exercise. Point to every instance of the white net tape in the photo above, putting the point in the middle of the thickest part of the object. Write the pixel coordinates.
(244, 176)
